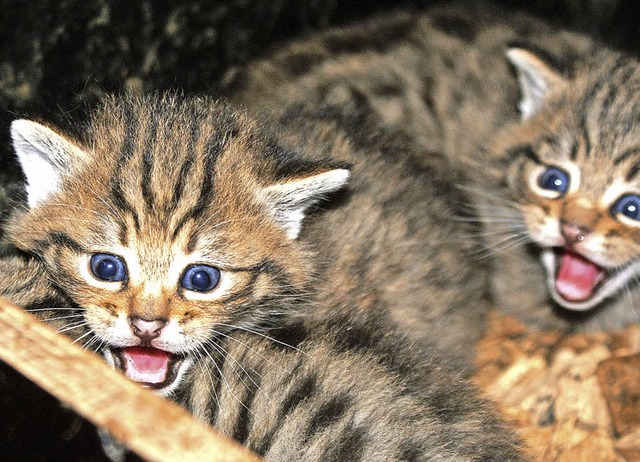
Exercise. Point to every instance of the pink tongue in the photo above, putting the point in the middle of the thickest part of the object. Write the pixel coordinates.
(577, 277)
(148, 365)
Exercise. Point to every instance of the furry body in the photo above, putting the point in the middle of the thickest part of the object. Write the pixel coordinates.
(317, 341)
(557, 99)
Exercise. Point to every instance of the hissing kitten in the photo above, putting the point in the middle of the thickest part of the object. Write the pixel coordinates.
(221, 262)
(542, 123)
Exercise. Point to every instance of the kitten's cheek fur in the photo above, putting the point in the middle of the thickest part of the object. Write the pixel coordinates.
(543, 230)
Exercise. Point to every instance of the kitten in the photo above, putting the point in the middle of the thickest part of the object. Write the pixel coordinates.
(540, 121)
(220, 261)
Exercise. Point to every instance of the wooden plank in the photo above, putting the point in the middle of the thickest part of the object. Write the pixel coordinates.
(155, 428)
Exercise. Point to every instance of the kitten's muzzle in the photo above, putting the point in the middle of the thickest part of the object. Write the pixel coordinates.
(146, 330)
(153, 368)
(143, 361)
(573, 234)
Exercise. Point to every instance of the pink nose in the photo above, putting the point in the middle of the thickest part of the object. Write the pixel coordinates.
(146, 330)
(573, 233)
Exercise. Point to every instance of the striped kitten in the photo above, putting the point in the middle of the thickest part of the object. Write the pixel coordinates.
(541, 122)
(181, 239)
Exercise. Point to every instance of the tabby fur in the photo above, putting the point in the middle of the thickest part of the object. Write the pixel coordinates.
(504, 96)
(318, 341)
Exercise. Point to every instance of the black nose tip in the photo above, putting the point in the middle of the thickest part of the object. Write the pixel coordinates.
(146, 330)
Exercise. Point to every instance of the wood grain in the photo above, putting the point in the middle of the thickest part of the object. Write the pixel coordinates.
(155, 428)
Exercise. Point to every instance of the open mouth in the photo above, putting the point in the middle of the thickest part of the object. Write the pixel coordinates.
(578, 283)
(577, 279)
(151, 367)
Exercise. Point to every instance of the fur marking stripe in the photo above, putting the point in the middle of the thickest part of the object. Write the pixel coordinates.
(594, 92)
(242, 427)
(350, 445)
(61, 239)
(329, 413)
(633, 171)
(302, 390)
(147, 166)
(573, 154)
(178, 189)
(626, 155)
(614, 89)
(213, 150)
(586, 137)
(130, 135)
(119, 201)
(524, 151)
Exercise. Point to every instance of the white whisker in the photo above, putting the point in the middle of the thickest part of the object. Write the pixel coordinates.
(229, 356)
(249, 348)
(491, 197)
(71, 326)
(100, 346)
(512, 230)
(260, 334)
(510, 242)
(109, 206)
(71, 316)
(209, 374)
(225, 382)
(94, 338)
(82, 336)
(212, 216)
(55, 309)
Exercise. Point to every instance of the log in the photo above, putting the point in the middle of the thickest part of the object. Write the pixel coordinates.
(155, 428)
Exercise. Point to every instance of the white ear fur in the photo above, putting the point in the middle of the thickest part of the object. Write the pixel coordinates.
(536, 80)
(44, 157)
(290, 200)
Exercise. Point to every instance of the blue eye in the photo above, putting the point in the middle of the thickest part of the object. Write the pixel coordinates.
(629, 206)
(554, 179)
(200, 278)
(108, 267)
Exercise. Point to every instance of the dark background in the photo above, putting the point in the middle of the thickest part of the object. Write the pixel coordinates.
(57, 58)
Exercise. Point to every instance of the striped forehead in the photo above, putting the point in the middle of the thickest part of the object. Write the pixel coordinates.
(597, 128)
(162, 166)
(609, 157)
(605, 107)
(162, 160)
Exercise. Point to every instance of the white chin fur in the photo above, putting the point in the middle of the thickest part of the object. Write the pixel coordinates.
(167, 391)
(614, 282)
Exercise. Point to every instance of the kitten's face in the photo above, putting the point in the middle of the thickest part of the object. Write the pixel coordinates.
(576, 178)
(175, 225)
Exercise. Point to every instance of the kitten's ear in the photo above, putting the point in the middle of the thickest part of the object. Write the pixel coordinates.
(290, 199)
(44, 155)
(536, 79)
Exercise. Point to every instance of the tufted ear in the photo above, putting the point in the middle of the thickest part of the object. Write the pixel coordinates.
(536, 79)
(290, 199)
(45, 156)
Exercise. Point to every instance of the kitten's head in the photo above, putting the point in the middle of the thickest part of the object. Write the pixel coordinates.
(575, 173)
(173, 222)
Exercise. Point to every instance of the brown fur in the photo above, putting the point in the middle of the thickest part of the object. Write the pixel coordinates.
(443, 77)
(317, 345)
